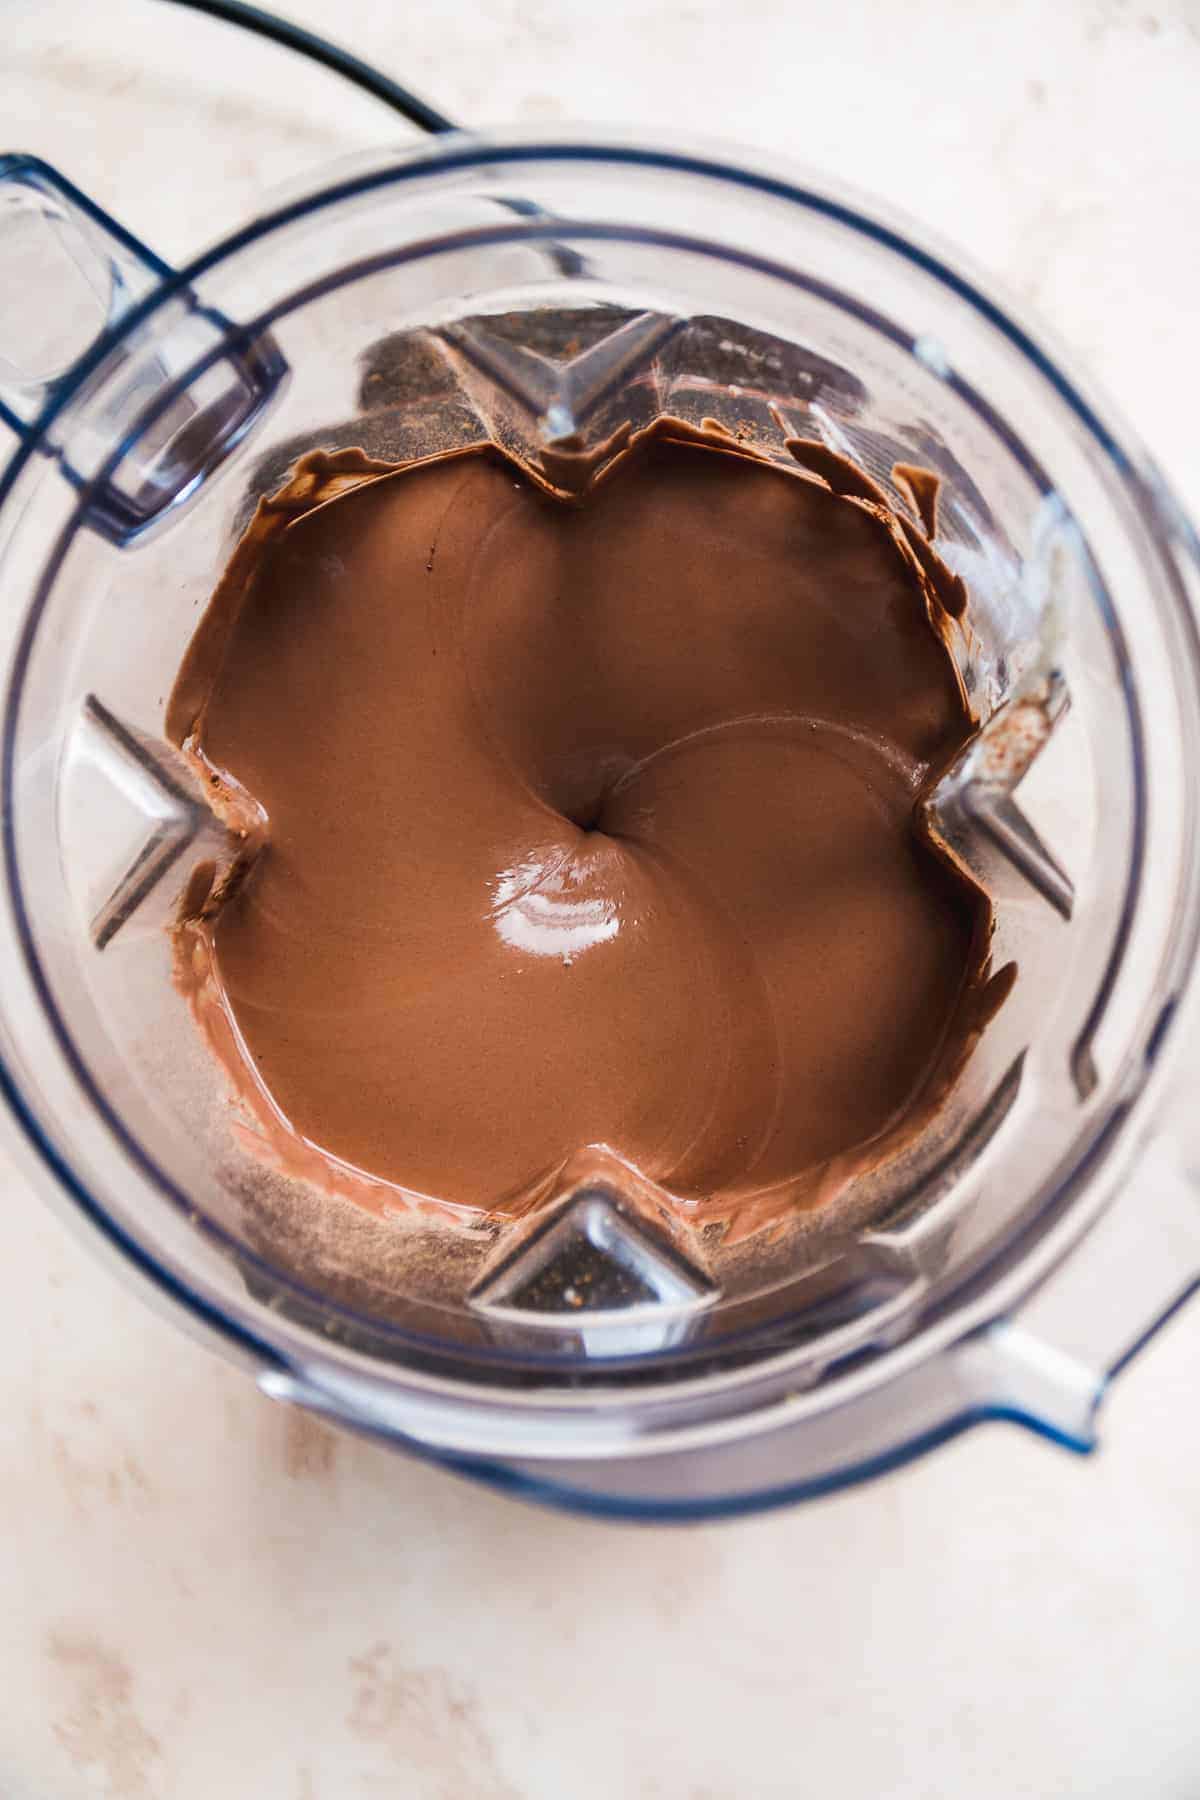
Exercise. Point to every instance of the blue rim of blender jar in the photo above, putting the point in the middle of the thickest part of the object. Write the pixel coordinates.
(433, 164)
(427, 164)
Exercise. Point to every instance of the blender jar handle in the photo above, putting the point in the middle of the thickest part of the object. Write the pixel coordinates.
(73, 273)
(109, 361)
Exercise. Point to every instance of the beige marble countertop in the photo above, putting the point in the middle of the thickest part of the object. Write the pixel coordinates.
(203, 1595)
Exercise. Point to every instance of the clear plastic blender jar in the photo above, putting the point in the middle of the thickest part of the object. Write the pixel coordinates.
(540, 293)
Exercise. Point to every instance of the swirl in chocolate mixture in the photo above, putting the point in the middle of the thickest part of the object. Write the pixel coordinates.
(591, 823)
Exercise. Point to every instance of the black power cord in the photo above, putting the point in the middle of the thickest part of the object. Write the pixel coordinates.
(372, 81)
(320, 50)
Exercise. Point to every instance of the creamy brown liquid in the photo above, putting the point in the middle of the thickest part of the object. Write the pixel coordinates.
(590, 822)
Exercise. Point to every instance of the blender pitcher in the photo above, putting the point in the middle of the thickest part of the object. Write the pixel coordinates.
(609, 1350)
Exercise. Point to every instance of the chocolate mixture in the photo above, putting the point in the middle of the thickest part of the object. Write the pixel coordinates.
(591, 822)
